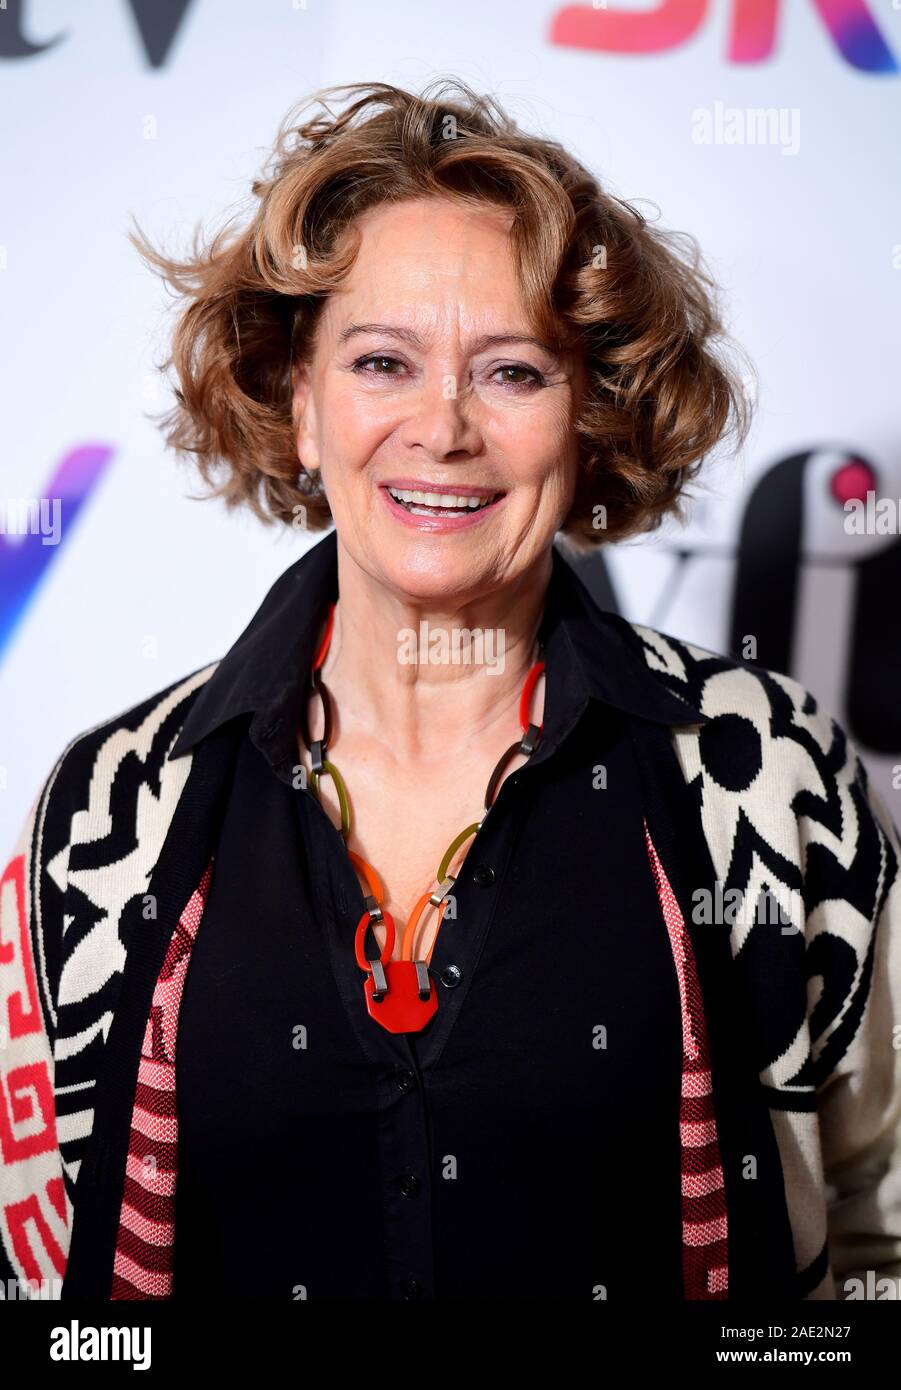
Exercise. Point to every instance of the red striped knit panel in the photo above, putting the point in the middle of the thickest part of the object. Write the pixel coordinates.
(705, 1265)
(146, 1239)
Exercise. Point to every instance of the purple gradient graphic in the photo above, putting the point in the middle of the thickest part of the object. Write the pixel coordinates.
(854, 30)
(25, 559)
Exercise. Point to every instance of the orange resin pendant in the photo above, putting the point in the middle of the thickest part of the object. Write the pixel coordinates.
(394, 995)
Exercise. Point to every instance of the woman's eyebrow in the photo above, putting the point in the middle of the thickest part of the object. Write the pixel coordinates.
(409, 335)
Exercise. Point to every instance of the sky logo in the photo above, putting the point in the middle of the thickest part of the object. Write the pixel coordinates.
(32, 530)
(752, 33)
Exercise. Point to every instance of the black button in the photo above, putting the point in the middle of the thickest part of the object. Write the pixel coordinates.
(411, 1288)
(406, 1080)
(451, 976)
(483, 876)
(410, 1185)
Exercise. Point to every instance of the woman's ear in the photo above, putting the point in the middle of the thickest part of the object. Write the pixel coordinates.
(303, 412)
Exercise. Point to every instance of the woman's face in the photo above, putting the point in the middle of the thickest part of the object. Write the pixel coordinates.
(423, 378)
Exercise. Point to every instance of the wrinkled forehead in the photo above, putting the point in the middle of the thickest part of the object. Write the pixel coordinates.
(442, 270)
(429, 265)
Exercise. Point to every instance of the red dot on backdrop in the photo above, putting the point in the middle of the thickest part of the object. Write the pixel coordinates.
(853, 480)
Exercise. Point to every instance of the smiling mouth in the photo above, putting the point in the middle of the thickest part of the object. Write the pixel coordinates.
(440, 503)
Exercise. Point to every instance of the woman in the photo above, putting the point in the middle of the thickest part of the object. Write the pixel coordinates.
(426, 877)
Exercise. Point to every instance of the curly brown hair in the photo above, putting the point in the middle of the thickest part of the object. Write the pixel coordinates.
(596, 276)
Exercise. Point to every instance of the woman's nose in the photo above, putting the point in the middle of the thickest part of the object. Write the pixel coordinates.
(442, 419)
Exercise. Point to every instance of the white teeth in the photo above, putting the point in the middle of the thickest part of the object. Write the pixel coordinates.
(440, 499)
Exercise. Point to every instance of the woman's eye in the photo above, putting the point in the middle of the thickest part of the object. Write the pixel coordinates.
(528, 375)
(515, 375)
(380, 358)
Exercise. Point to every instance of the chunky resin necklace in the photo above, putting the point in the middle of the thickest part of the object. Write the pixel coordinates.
(400, 994)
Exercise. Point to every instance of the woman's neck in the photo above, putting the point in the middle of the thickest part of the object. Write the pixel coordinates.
(426, 678)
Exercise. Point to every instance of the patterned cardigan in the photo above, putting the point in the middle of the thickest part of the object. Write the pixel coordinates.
(104, 892)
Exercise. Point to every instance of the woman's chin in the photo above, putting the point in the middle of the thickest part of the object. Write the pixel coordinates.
(432, 586)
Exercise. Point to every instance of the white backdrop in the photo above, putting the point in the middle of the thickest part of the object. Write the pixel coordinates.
(803, 232)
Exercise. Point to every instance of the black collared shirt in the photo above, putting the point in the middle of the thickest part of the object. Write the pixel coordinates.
(526, 1142)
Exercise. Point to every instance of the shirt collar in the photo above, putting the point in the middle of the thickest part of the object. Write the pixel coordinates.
(595, 655)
